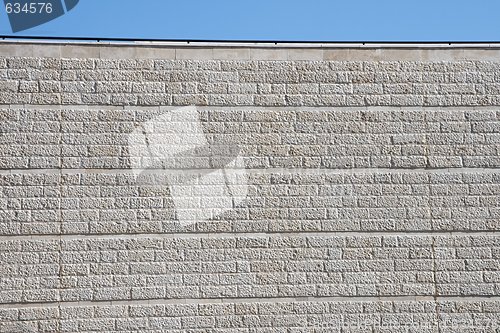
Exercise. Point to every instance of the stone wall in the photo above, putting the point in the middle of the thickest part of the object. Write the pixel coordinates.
(366, 198)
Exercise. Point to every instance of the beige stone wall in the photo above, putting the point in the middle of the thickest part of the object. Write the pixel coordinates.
(365, 197)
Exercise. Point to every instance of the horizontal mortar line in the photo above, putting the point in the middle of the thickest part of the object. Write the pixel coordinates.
(253, 170)
(218, 300)
(205, 235)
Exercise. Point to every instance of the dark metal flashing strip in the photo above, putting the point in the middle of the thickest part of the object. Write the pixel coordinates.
(287, 43)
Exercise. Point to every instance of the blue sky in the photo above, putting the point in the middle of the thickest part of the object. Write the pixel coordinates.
(283, 20)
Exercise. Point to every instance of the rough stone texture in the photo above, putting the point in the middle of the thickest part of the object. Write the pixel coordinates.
(372, 182)
(260, 317)
(250, 82)
(97, 202)
(139, 268)
(332, 138)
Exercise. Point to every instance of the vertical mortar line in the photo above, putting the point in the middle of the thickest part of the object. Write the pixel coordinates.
(59, 213)
(123, 108)
(433, 244)
(60, 181)
(434, 275)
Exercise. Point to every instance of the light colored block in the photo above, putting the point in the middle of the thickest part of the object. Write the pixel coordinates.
(47, 51)
(160, 52)
(11, 49)
(79, 51)
(191, 53)
(268, 54)
(311, 54)
(220, 53)
(117, 52)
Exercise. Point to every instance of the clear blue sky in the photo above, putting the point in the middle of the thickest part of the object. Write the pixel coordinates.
(293, 20)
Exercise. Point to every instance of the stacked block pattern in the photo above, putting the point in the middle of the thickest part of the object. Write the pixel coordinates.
(282, 317)
(333, 138)
(108, 202)
(251, 82)
(138, 268)
(372, 192)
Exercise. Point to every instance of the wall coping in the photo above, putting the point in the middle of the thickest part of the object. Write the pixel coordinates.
(252, 51)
